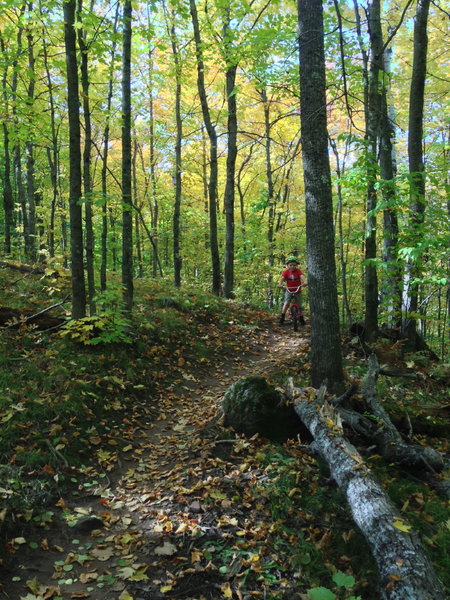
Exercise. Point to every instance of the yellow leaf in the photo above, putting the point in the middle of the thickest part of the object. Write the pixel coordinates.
(165, 588)
(402, 526)
(125, 596)
(19, 540)
(226, 590)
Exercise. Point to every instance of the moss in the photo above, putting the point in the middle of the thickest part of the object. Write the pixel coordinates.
(253, 406)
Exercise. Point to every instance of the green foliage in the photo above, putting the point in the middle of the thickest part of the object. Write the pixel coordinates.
(20, 492)
(110, 325)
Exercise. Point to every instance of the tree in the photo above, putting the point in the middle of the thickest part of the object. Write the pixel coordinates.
(229, 196)
(127, 203)
(87, 149)
(8, 204)
(73, 105)
(213, 167)
(177, 259)
(325, 337)
(416, 165)
(373, 113)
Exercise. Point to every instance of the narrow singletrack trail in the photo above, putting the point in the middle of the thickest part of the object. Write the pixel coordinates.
(130, 529)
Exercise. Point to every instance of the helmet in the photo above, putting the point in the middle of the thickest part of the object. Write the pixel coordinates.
(293, 259)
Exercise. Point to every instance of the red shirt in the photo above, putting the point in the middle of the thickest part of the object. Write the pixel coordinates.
(292, 278)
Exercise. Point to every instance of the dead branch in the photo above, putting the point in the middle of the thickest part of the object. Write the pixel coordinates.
(388, 438)
(405, 570)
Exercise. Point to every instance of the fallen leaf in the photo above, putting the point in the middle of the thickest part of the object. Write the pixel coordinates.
(167, 549)
(402, 526)
(102, 554)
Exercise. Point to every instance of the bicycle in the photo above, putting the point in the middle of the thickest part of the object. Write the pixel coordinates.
(295, 310)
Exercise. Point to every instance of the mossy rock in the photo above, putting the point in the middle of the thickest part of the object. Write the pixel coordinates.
(253, 406)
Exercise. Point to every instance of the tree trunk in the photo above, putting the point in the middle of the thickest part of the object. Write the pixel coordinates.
(29, 149)
(76, 223)
(325, 338)
(154, 205)
(104, 235)
(372, 134)
(229, 198)
(406, 572)
(213, 166)
(8, 203)
(52, 151)
(270, 194)
(391, 289)
(20, 196)
(177, 260)
(389, 440)
(127, 217)
(342, 255)
(87, 183)
(416, 165)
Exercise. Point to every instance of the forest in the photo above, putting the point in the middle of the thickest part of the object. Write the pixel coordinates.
(159, 163)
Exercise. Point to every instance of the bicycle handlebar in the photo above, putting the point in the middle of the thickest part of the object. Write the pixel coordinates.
(284, 287)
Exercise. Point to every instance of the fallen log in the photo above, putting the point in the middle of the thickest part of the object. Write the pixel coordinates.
(406, 572)
(17, 317)
(388, 438)
(23, 268)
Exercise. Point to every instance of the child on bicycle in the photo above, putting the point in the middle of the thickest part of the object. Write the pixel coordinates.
(291, 280)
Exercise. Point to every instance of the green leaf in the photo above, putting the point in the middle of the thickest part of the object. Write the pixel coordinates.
(321, 593)
(343, 580)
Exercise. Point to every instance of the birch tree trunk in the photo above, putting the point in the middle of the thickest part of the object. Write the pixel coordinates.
(405, 570)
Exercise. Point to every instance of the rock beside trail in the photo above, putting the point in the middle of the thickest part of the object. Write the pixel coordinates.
(253, 406)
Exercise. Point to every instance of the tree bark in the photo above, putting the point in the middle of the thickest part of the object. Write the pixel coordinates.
(388, 438)
(416, 165)
(87, 182)
(73, 104)
(325, 338)
(104, 171)
(127, 217)
(8, 203)
(15, 318)
(372, 136)
(391, 288)
(406, 572)
(270, 193)
(153, 204)
(229, 197)
(177, 260)
(29, 147)
(213, 165)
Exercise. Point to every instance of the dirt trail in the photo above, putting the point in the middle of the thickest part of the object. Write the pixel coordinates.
(135, 521)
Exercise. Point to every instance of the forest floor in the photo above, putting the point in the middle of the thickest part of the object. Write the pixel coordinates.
(153, 525)
(170, 504)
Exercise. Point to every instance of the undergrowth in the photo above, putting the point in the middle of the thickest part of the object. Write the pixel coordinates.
(75, 394)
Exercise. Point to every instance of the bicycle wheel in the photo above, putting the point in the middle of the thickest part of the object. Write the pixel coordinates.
(294, 314)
